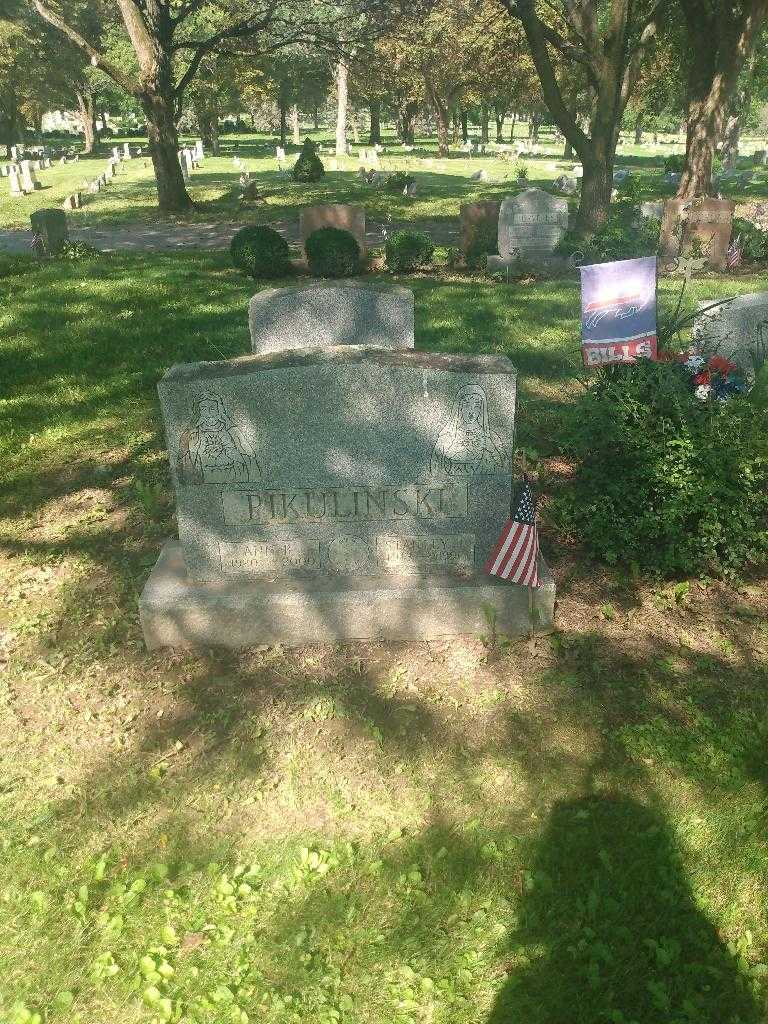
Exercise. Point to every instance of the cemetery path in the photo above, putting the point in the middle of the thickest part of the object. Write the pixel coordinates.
(211, 236)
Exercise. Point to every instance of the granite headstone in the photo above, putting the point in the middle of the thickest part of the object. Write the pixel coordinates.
(51, 225)
(705, 222)
(479, 221)
(334, 215)
(327, 313)
(530, 226)
(335, 494)
(737, 329)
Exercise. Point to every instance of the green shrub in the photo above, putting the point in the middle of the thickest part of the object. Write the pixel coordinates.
(309, 166)
(407, 250)
(444, 256)
(663, 480)
(522, 172)
(260, 251)
(396, 183)
(675, 162)
(332, 252)
(484, 243)
(754, 241)
(624, 236)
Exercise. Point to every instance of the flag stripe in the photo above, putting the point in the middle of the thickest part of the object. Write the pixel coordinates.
(520, 553)
(508, 529)
(529, 573)
(516, 538)
(516, 556)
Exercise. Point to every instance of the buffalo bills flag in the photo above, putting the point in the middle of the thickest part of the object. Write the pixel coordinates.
(516, 555)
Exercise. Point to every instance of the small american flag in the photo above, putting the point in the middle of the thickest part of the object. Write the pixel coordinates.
(516, 555)
(733, 254)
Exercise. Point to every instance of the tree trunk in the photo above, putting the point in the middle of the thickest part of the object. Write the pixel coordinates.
(731, 137)
(464, 126)
(718, 47)
(87, 113)
(512, 126)
(163, 137)
(596, 188)
(283, 124)
(207, 118)
(342, 75)
(355, 129)
(499, 113)
(295, 126)
(406, 122)
(567, 151)
(533, 127)
(639, 129)
(483, 123)
(315, 117)
(374, 138)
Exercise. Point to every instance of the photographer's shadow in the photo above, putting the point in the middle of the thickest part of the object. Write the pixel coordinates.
(609, 931)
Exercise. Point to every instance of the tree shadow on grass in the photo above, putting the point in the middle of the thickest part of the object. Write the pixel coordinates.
(609, 929)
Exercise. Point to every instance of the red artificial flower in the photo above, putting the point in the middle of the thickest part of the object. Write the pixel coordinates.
(721, 365)
(705, 377)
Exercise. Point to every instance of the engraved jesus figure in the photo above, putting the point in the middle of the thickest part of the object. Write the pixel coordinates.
(212, 450)
(466, 444)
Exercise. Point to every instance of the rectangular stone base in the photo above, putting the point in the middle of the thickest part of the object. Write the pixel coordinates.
(550, 264)
(178, 612)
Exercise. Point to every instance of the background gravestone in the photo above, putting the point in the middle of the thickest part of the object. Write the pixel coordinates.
(337, 494)
(334, 215)
(479, 220)
(530, 226)
(327, 313)
(708, 220)
(737, 329)
(52, 226)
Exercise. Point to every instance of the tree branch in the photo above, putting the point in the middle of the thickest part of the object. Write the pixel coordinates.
(98, 60)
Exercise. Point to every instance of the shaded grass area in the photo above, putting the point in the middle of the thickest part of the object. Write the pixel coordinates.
(562, 830)
(443, 183)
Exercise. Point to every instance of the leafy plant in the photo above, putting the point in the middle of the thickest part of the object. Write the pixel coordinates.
(396, 183)
(309, 166)
(663, 480)
(623, 236)
(754, 240)
(407, 250)
(483, 244)
(332, 252)
(522, 172)
(77, 251)
(260, 251)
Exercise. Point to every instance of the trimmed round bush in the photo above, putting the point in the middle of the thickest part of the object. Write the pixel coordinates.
(332, 252)
(407, 250)
(260, 252)
(309, 166)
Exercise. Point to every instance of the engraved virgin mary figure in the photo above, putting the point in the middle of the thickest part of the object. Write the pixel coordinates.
(466, 444)
(212, 450)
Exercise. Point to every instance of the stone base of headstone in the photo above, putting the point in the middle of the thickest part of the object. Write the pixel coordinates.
(178, 612)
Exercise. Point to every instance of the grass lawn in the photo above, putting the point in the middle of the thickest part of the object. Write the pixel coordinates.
(442, 183)
(569, 830)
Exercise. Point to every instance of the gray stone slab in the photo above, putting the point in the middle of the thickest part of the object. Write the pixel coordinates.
(323, 314)
(531, 224)
(344, 461)
(52, 225)
(177, 612)
(737, 330)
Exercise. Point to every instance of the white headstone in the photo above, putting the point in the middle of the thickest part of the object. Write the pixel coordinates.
(15, 182)
(126, 151)
(28, 180)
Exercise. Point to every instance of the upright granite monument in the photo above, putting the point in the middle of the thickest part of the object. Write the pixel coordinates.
(737, 329)
(701, 223)
(51, 225)
(337, 494)
(530, 226)
(327, 313)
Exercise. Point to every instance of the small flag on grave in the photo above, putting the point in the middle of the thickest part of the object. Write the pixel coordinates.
(618, 311)
(516, 555)
(734, 253)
